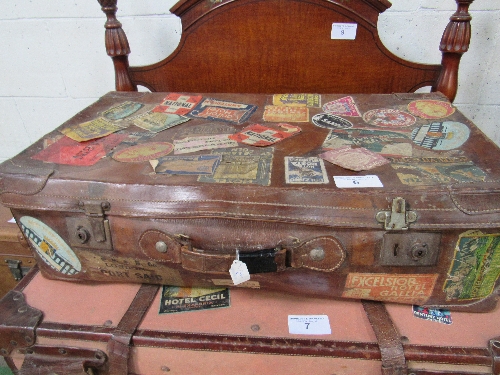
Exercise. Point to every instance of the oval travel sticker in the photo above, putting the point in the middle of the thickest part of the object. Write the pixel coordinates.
(326, 120)
(441, 136)
(431, 109)
(51, 248)
(389, 118)
(143, 152)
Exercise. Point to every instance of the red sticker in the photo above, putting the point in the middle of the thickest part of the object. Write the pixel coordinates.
(68, 151)
(355, 159)
(260, 135)
(389, 118)
(431, 109)
(343, 107)
(177, 104)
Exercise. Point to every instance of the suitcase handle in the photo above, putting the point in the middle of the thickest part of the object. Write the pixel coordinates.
(324, 254)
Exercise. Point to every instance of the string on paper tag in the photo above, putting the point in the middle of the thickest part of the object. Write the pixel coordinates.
(239, 271)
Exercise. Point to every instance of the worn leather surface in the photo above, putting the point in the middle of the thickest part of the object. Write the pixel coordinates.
(388, 338)
(219, 218)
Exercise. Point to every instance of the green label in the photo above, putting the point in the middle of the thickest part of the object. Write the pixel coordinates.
(475, 267)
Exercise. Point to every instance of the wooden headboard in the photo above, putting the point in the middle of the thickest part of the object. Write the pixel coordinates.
(285, 46)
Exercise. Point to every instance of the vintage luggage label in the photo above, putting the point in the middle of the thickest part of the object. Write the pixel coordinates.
(188, 165)
(305, 170)
(432, 314)
(355, 159)
(441, 136)
(260, 135)
(70, 152)
(242, 166)
(401, 288)
(343, 107)
(134, 138)
(86, 131)
(297, 100)
(178, 104)
(276, 113)
(475, 268)
(431, 109)
(156, 122)
(143, 152)
(326, 120)
(222, 110)
(182, 299)
(121, 111)
(388, 143)
(209, 128)
(389, 118)
(51, 248)
(194, 144)
(414, 171)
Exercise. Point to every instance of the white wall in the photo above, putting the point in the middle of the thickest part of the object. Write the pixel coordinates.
(53, 61)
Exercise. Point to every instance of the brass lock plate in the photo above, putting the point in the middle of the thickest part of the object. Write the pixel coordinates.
(410, 249)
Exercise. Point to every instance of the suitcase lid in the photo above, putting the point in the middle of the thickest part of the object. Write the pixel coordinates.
(441, 172)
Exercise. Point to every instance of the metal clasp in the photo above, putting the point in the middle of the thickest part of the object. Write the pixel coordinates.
(399, 218)
(92, 230)
(95, 213)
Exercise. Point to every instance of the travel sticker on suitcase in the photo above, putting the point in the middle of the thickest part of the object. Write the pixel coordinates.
(223, 110)
(242, 166)
(475, 267)
(297, 100)
(49, 246)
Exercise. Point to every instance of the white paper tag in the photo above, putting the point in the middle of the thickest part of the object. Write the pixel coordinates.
(309, 324)
(344, 31)
(13, 221)
(357, 181)
(239, 272)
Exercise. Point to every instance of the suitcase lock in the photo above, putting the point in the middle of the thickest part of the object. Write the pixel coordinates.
(91, 230)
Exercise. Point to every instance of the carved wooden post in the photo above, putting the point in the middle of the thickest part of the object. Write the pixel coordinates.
(454, 43)
(117, 46)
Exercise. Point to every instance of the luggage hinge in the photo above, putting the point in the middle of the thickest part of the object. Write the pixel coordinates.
(46, 360)
(18, 322)
(399, 218)
(95, 213)
(15, 268)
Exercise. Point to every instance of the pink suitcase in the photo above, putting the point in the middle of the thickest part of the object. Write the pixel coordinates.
(75, 328)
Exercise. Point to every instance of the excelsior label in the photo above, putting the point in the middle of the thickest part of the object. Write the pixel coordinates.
(403, 288)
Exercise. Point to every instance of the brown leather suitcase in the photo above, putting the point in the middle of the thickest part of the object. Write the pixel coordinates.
(427, 232)
(16, 258)
(76, 328)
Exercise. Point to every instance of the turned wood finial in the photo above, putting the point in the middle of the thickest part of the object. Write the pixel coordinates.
(117, 46)
(454, 43)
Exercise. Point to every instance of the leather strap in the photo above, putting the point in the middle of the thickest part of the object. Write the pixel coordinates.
(388, 337)
(119, 344)
(494, 347)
